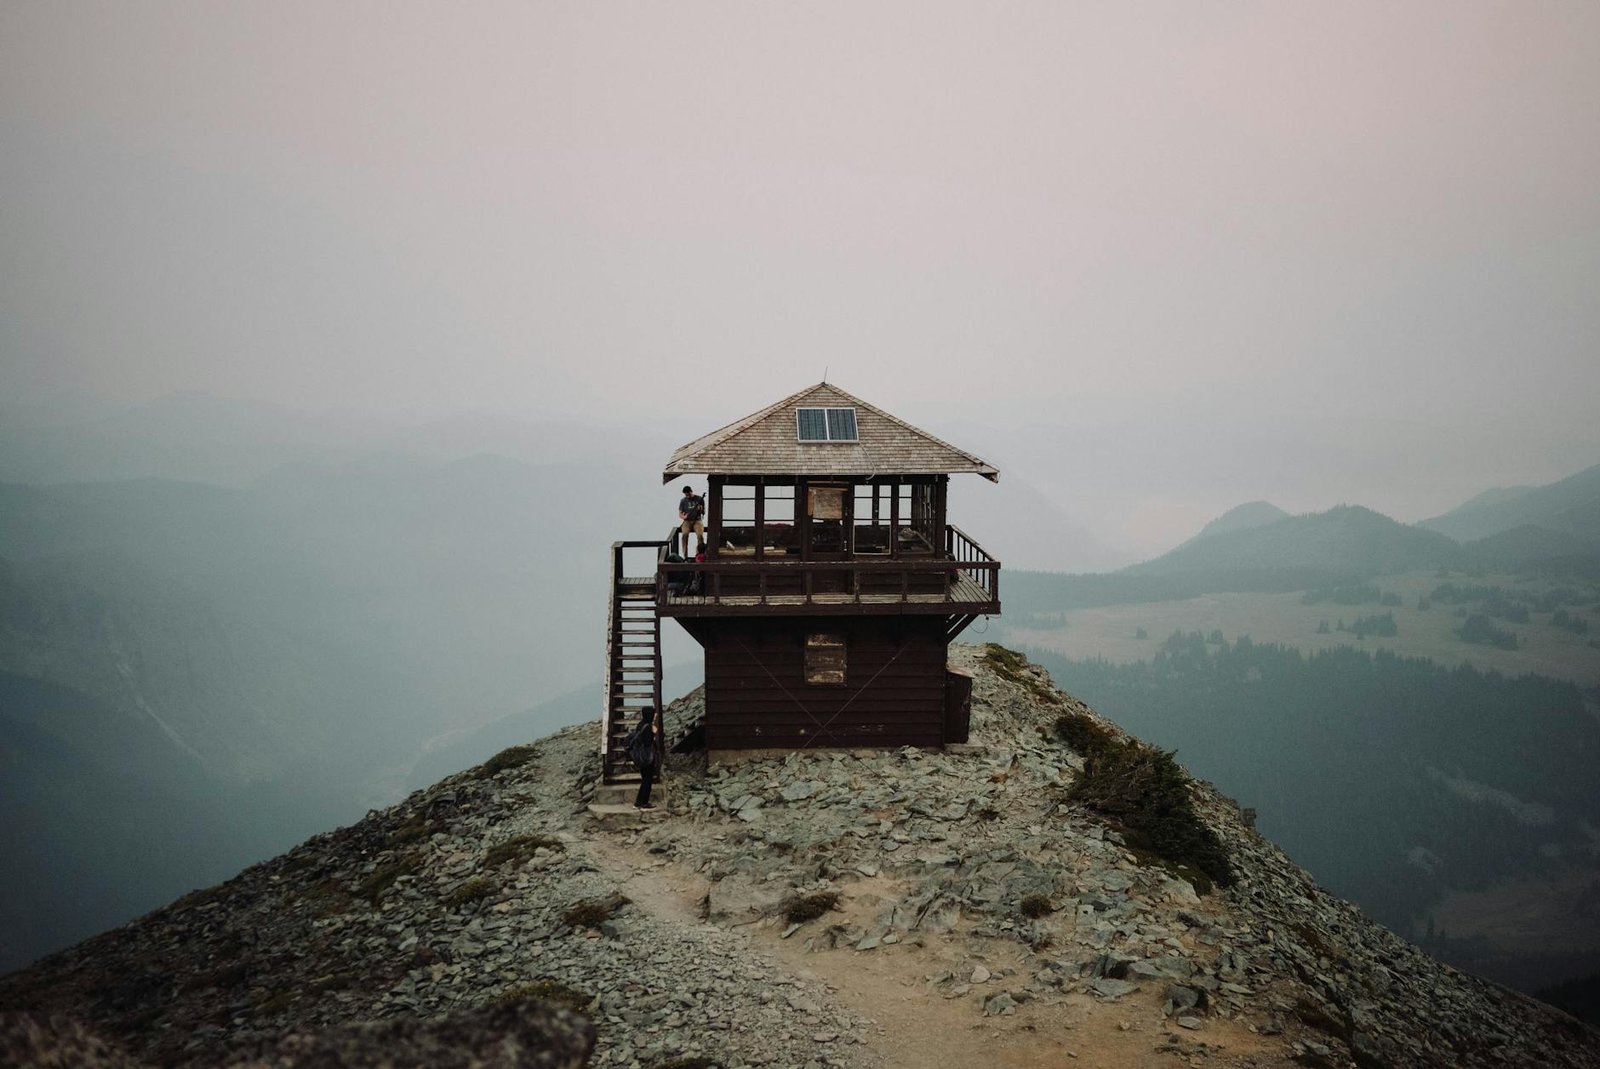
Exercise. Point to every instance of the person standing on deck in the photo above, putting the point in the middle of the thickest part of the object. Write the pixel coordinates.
(691, 517)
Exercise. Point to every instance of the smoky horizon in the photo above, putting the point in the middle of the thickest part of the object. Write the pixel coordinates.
(1151, 263)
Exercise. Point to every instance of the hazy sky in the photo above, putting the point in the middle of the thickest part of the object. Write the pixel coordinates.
(1158, 259)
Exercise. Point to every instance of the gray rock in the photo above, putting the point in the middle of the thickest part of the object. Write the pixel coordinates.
(1180, 998)
(796, 792)
(1112, 988)
(1001, 1004)
(741, 899)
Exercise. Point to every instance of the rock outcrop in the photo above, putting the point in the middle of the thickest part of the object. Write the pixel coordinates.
(844, 909)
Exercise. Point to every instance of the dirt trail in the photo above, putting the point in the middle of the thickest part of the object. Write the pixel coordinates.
(917, 1027)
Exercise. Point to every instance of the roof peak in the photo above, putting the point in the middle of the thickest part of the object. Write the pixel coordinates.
(765, 442)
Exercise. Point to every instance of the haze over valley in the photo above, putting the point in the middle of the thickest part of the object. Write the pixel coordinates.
(215, 652)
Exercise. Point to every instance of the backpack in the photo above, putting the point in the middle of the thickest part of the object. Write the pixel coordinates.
(641, 746)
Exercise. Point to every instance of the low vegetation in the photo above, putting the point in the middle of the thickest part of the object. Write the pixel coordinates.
(471, 891)
(1013, 667)
(510, 757)
(548, 990)
(1084, 734)
(1146, 794)
(519, 849)
(802, 908)
(1035, 906)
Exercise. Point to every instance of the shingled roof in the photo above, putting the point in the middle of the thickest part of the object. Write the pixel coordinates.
(765, 443)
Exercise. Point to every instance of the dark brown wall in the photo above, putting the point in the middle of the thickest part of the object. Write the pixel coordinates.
(757, 696)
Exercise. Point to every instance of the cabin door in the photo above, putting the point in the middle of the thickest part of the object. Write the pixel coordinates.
(827, 533)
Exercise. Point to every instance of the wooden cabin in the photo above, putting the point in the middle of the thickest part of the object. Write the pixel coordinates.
(832, 583)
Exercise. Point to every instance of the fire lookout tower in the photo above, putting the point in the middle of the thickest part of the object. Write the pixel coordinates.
(832, 585)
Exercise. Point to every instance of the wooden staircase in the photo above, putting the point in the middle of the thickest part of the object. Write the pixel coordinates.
(633, 663)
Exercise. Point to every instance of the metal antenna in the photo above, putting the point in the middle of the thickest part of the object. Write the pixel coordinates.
(824, 372)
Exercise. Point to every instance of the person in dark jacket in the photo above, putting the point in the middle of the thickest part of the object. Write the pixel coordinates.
(691, 518)
(644, 750)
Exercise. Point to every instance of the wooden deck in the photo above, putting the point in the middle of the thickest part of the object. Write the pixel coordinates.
(964, 594)
(962, 582)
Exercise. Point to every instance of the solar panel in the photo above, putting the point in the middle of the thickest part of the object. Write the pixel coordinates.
(812, 424)
(825, 424)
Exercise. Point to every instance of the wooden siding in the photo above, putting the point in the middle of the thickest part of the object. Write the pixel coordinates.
(757, 696)
(765, 443)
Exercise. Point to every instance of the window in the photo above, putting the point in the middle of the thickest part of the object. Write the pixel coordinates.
(825, 659)
(825, 424)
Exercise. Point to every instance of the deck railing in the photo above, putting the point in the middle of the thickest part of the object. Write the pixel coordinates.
(975, 560)
(931, 579)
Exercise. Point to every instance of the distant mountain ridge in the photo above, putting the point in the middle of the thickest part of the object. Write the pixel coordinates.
(1347, 539)
(1241, 518)
(1570, 506)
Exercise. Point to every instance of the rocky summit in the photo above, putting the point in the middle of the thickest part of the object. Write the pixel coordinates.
(1052, 893)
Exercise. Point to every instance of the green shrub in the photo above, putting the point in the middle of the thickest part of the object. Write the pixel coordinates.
(1147, 794)
(519, 849)
(548, 990)
(510, 757)
(1084, 734)
(1035, 906)
(802, 908)
(474, 890)
(1012, 667)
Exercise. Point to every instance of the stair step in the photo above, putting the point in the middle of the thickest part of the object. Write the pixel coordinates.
(633, 654)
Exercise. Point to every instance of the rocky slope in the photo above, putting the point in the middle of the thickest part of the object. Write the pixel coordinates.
(850, 910)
